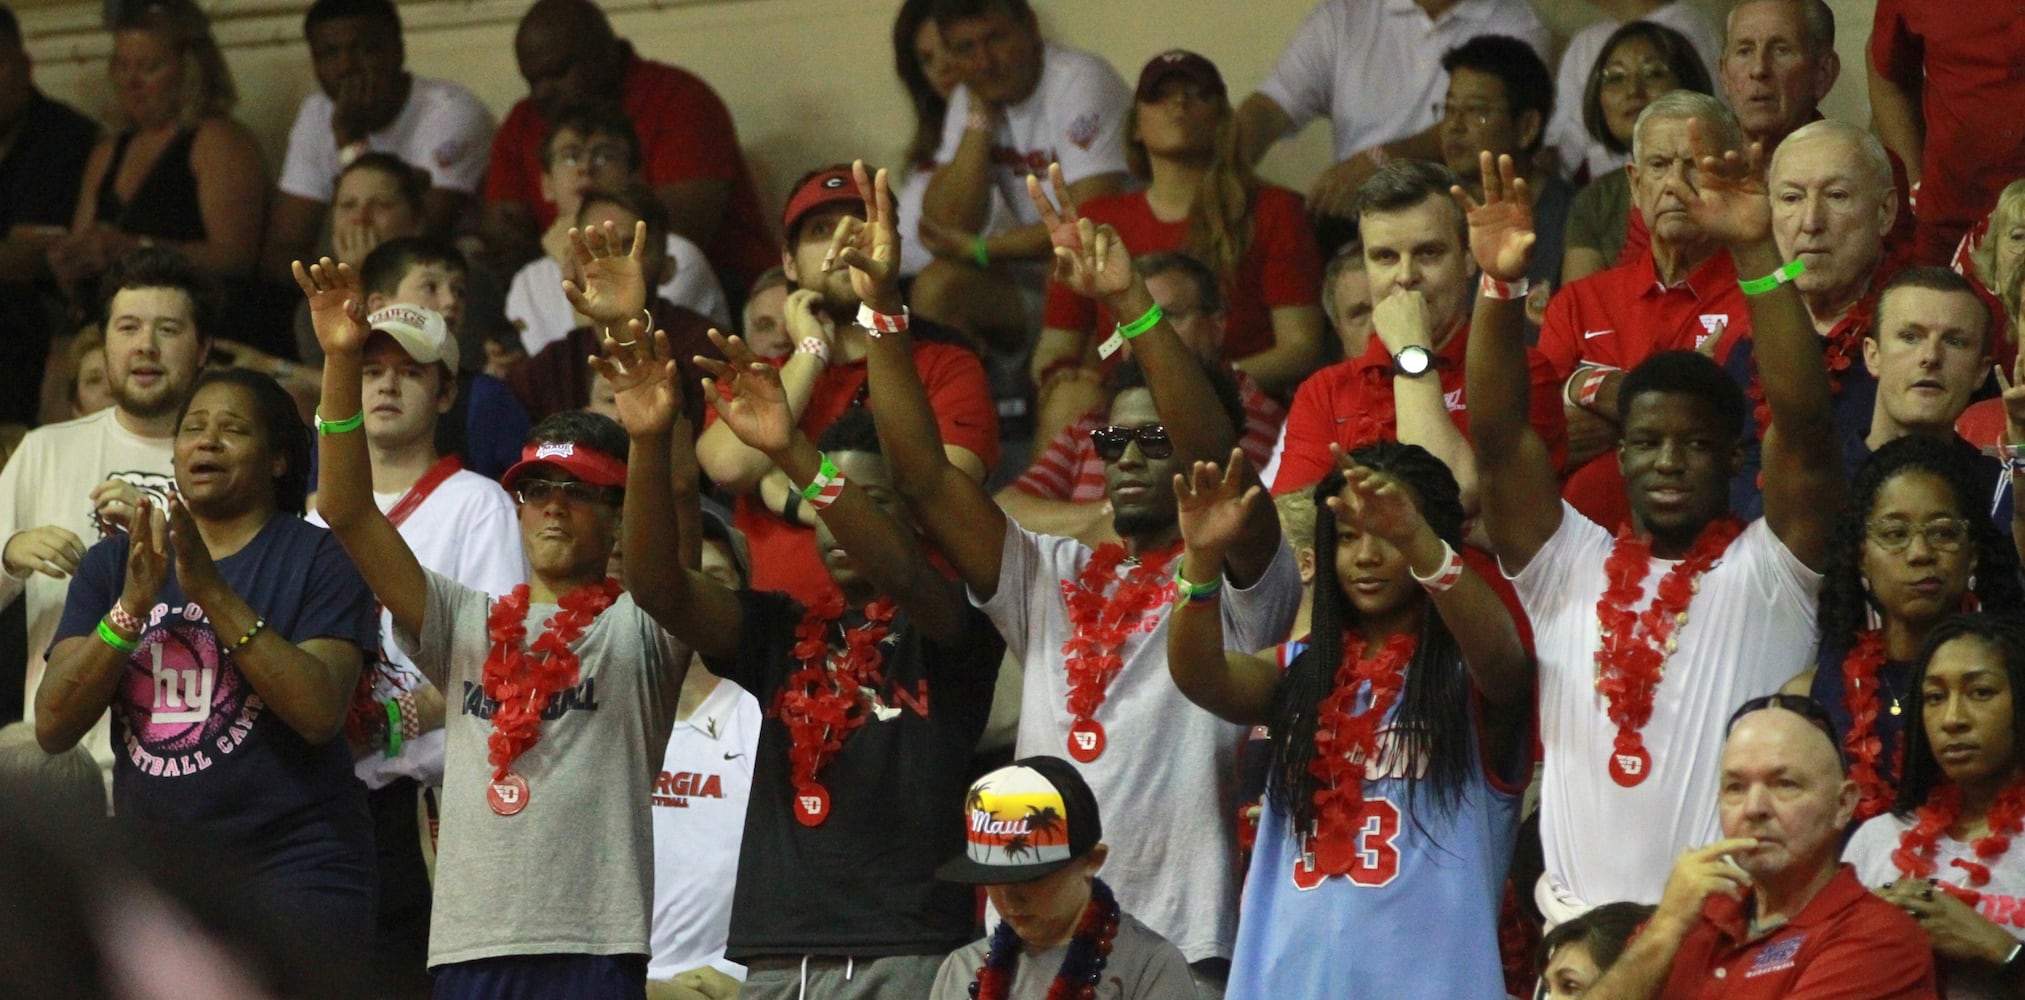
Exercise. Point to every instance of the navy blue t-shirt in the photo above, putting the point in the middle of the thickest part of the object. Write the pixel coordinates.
(194, 744)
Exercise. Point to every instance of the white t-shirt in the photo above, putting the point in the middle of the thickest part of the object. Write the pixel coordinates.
(907, 200)
(1075, 116)
(537, 308)
(699, 820)
(2002, 902)
(443, 129)
(468, 531)
(49, 482)
(1373, 67)
(1167, 779)
(1565, 133)
(1750, 628)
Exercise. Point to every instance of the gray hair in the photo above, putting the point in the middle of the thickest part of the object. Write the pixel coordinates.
(1815, 17)
(1678, 105)
(1870, 154)
(1349, 257)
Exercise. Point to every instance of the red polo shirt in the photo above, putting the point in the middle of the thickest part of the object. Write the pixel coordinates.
(1846, 942)
(1964, 60)
(1622, 315)
(1350, 403)
(685, 132)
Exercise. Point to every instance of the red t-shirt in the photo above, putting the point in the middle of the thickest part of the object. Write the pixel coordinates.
(685, 132)
(1069, 469)
(783, 555)
(1282, 267)
(1350, 403)
(1964, 60)
(1845, 942)
(1622, 315)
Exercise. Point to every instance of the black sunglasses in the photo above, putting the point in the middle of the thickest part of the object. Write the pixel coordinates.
(539, 491)
(1799, 704)
(1110, 441)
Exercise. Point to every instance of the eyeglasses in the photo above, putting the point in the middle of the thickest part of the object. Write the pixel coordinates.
(595, 156)
(1799, 704)
(1478, 113)
(1110, 441)
(1943, 534)
(1648, 73)
(541, 491)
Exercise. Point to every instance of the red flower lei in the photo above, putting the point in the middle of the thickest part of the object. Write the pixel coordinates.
(1862, 745)
(1916, 846)
(1839, 350)
(1099, 624)
(822, 707)
(1631, 656)
(521, 680)
(1347, 744)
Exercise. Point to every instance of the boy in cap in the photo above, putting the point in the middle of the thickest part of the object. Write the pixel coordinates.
(1035, 844)
(459, 524)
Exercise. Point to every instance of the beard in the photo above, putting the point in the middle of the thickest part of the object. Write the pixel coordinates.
(1140, 523)
(161, 400)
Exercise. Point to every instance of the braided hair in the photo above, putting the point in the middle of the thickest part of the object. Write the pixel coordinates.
(2005, 633)
(1845, 602)
(1432, 723)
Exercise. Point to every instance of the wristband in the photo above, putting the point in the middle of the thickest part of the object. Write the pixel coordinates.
(123, 621)
(411, 720)
(828, 485)
(1759, 286)
(120, 645)
(1590, 387)
(1198, 593)
(816, 346)
(345, 426)
(1492, 288)
(791, 508)
(394, 729)
(1127, 331)
(980, 253)
(1443, 579)
(2013, 456)
(258, 624)
(876, 323)
(646, 329)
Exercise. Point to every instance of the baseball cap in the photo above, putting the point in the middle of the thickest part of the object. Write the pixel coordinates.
(419, 331)
(717, 527)
(826, 187)
(574, 457)
(1178, 62)
(1027, 819)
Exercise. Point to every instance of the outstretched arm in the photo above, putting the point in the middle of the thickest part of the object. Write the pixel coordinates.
(1521, 498)
(729, 462)
(344, 494)
(1401, 322)
(1730, 203)
(1214, 506)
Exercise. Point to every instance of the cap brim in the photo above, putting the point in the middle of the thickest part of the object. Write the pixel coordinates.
(963, 869)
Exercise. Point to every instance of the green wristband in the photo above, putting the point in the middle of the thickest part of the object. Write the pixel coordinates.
(1196, 593)
(125, 647)
(393, 728)
(351, 423)
(1759, 286)
(980, 253)
(1142, 324)
(824, 475)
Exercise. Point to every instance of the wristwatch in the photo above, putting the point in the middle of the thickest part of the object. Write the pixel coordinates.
(1412, 361)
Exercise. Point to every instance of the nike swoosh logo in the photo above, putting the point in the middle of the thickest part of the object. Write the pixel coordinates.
(733, 756)
(1593, 334)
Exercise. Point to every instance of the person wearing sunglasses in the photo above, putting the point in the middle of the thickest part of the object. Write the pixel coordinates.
(1944, 853)
(567, 685)
(1397, 756)
(1089, 625)
(1910, 549)
(1768, 910)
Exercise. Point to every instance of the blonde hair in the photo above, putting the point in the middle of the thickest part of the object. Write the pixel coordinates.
(1297, 518)
(1220, 216)
(208, 88)
(2009, 211)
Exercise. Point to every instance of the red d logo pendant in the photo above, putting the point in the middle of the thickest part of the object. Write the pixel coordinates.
(1628, 769)
(1086, 740)
(812, 805)
(508, 795)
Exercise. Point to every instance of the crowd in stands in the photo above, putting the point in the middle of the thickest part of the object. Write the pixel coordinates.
(1568, 550)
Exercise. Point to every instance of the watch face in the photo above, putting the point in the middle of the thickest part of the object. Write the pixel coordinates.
(1413, 361)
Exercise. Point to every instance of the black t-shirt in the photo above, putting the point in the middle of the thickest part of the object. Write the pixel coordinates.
(862, 883)
(41, 175)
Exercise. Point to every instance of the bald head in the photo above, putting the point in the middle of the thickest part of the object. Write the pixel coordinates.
(568, 55)
(1833, 201)
(1783, 784)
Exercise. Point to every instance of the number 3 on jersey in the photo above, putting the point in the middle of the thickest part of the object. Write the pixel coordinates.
(1376, 862)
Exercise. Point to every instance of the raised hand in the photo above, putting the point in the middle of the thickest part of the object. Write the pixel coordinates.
(49, 550)
(611, 286)
(337, 305)
(114, 502)
(1375, 503)
(747, 394)
(1100, 267)
(1701, 873)
(806, 320)
(1501, 227)
(870, 247)
(1213, 504)
(642, 373)
(147, 559)
(1728, 199)
(195, 571)
(1064, 225)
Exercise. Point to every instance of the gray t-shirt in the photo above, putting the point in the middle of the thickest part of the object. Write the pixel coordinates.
(573, 872)
(1142, 966)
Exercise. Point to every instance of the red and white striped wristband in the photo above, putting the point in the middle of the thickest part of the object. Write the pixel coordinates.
(876, 323)
(816, 346)
(1444, 579)
(1589, 386)
(828, 485)
(1492, 288)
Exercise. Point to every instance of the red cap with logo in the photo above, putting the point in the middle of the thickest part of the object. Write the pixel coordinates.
(1182, 63)
(581, 460)
(822, 189)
